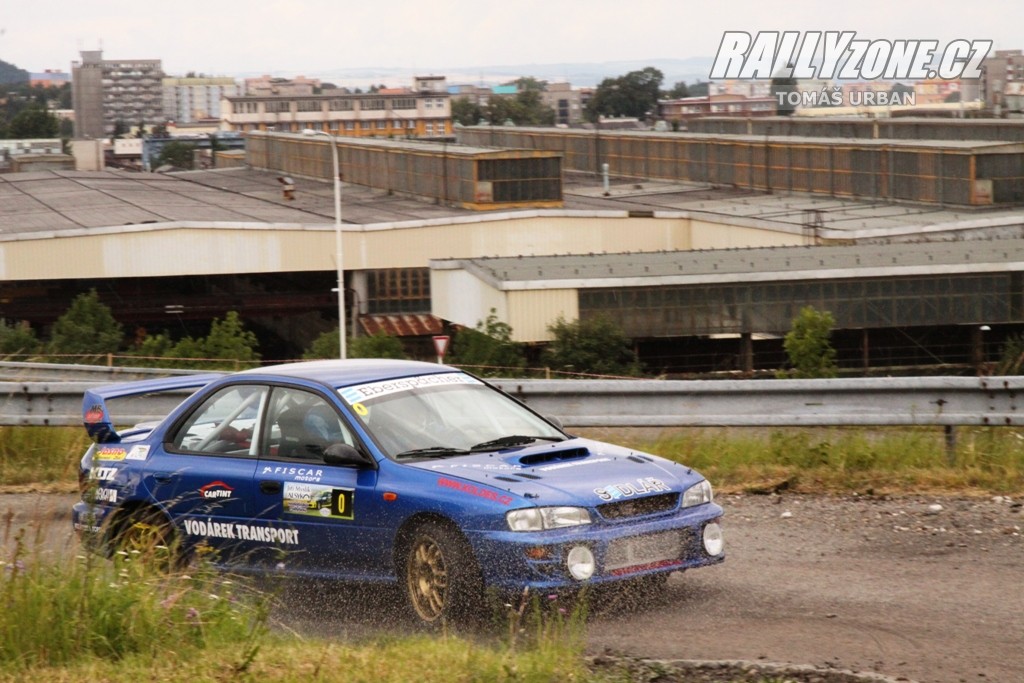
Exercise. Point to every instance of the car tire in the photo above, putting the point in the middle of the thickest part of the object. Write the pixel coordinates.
(440, 576)
(148, 534)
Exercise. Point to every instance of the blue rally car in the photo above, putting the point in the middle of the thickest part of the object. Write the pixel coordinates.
(387, 471)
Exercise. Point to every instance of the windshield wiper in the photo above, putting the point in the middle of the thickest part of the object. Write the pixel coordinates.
(433, 452)
(511, 440)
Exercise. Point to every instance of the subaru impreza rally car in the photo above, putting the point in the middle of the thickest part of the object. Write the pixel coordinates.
(387, 471)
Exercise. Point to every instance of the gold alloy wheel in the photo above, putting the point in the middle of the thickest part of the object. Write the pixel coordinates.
(427, 578)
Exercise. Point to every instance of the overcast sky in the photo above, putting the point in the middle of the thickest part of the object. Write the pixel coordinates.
(314, 37)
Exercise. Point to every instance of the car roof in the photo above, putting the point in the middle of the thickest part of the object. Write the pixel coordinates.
(340, 373)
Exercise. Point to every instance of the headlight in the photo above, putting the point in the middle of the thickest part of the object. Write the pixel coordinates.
(698, 494)
(538, 519)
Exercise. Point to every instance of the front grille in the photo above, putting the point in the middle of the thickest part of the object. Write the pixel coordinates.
(636, 507)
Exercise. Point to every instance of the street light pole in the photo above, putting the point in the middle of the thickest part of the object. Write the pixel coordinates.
(337, 237)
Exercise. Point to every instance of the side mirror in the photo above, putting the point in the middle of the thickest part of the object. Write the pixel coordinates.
(554, 420)
(343, 455)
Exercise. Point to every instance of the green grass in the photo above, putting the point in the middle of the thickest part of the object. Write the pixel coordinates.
(810, 460)
(41, 456)
(838, 460)
(59, 614)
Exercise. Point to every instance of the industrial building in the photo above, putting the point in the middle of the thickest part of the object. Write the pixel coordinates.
(702, 278)
(942, 172)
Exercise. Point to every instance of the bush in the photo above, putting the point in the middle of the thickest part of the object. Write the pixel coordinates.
(594, 346)
(808, 347)
(488, 349)
(87, 328)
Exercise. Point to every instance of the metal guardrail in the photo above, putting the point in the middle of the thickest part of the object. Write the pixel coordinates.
(939, 401)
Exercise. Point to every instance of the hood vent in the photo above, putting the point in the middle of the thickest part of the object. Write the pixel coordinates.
(553, 456)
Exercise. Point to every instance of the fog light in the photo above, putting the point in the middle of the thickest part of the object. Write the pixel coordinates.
(713, 541)
(538, 553)
(580, 563)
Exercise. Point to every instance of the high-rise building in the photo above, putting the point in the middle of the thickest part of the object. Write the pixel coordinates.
(192, 99)
(106, 91)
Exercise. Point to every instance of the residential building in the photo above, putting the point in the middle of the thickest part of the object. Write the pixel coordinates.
(424, 112)
(49, 77)
(680, 110)
(106, 91)
(264, 86)
(568, 103)
(1002, 82)
(191, 100)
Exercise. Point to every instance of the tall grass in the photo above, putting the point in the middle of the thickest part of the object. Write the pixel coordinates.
(55, 614)
(907, 459)
(883, 460)
(41, 455)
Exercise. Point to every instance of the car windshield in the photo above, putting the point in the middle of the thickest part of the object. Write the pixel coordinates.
(443, 415)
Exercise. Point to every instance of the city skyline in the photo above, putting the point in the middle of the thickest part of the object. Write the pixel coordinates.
(322, 39)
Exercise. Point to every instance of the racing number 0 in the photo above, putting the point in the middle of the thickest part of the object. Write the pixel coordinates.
(342, 503)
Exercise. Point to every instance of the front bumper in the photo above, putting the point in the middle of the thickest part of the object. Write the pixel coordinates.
(622, 550)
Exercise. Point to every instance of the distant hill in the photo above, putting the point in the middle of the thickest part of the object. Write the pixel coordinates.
(580, 74)
(12, 74)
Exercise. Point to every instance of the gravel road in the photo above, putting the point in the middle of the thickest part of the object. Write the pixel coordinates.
(913, 588)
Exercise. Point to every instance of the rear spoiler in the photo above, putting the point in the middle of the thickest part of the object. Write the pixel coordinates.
(97, 419)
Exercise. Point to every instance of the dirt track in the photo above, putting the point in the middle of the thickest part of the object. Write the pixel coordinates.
(897, 587)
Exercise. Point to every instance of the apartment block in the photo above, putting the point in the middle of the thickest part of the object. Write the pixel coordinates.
(1002, 82)
(399, 112)
(192, 100)
(105, 91)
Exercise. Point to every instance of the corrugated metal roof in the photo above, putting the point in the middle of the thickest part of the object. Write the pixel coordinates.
(401, 325)
(578, 268)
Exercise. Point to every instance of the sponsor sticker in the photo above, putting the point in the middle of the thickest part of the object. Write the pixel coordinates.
(319, 501)
(102, 473)
(296, 473)
(474, 490)
(110, 453)
(373, 390)
(138, 453)
(242, 532)
(629, 488)
(216, 490)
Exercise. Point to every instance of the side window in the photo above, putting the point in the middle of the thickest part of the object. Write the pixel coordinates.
(226, 422)
(302, 425)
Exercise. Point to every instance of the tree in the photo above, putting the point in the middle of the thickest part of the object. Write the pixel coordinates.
(488, 348)
(178, 154)
(380, 345)
(33, 122)
(808, 347)
(678, 91)
(228, 339)
(526, 108)
(120, 129)
(593, 345)
(326, 345)
(465, 112)
(634, 94)
(86, 328)
(227, 346)
(17, 338)
(700, 89)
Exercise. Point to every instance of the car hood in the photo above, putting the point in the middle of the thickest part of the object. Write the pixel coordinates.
(576, 472)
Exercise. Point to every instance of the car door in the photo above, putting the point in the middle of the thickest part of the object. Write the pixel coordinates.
(330, 513)
(203, 472)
